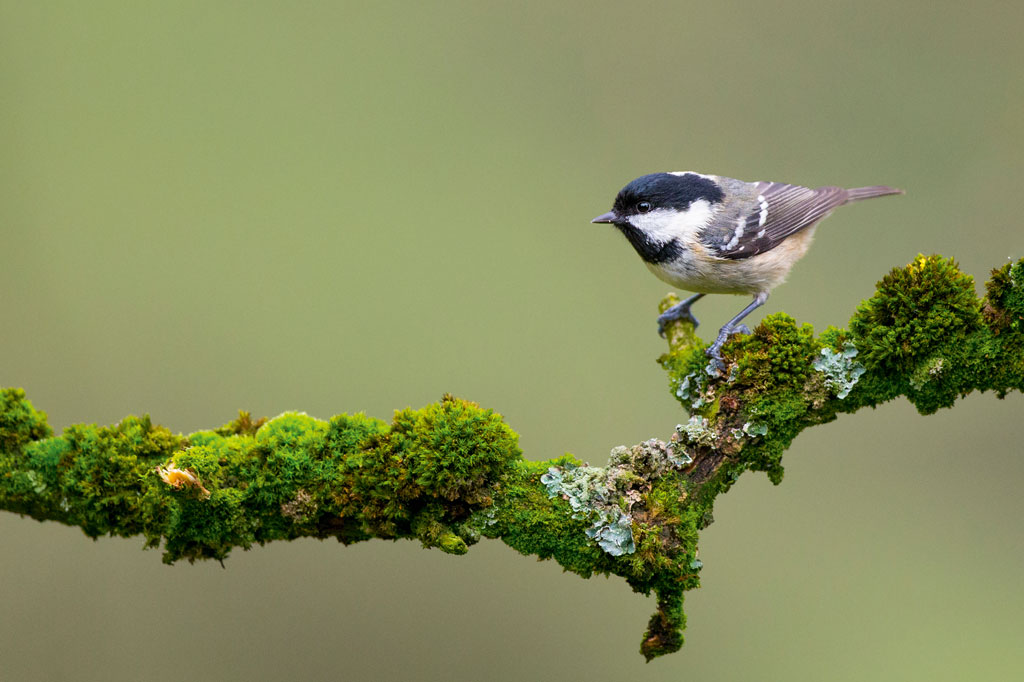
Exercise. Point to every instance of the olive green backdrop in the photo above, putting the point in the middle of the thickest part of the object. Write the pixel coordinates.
(345, 206)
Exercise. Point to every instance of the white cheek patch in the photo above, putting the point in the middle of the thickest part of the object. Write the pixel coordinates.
(657, 224)
(664, 225)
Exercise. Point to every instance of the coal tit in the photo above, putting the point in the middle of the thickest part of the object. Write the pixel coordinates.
(714, 235)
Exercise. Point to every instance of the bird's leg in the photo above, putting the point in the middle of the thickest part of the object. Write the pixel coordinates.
(680, 311)
(733, 326)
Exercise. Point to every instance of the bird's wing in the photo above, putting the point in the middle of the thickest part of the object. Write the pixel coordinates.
(779, 211)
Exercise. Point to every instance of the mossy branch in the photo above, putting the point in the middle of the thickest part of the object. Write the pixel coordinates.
(451, 473)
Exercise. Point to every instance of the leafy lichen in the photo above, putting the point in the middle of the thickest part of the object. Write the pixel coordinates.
(613, 532)
(585, 488)
(840, 369)
(698, 432)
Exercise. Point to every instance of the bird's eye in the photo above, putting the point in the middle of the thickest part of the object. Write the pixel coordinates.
(643, 207)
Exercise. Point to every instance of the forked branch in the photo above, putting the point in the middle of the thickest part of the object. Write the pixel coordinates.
(451, 473)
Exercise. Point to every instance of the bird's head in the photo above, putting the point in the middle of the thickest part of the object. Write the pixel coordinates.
(653, 210)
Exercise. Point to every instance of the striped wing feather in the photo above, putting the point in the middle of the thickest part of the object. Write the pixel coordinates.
(779, 211)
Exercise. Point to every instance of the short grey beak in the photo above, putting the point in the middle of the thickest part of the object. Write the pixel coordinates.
(608, 217)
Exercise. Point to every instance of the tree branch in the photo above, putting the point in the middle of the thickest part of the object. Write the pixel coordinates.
(451, 473)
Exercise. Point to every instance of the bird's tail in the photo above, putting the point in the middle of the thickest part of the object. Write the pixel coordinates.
(858, 193)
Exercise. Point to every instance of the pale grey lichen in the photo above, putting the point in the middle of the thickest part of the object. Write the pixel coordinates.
(613, 532)
(301, 508)
(697, 431)
(713, 368)
(591, 493)
(583, 487)
(650, 458)
(752, 429)
(485, 517)
(37, 482)
(840, 369)
(606, 496)
(926, 372)
(692, 388)
(678, 455)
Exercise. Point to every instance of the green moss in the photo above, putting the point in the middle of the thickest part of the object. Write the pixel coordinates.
(1003, 307)
(666, 527)
(780, 415)
(924, 334)
(681, 333)
(451, 453)
(44, 458)
(776, 355)
(20, 422)
(208, 528)
(531, 522)
(349, 434)
(245, 425)
(915, 310)
(686, 364)
(665, 630)
(352, 478)
(94, 477)
(1003, 311)
(774, 364)
(432, 532)
(454, 449)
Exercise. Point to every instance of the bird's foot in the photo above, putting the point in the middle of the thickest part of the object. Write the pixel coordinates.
(714, 351)
(680, 311)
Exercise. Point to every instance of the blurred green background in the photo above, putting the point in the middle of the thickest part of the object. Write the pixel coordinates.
(345, 206)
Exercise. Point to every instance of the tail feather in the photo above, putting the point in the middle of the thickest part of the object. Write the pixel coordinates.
(858, 193)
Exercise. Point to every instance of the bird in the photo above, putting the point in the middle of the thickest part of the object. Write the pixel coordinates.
(710, 234)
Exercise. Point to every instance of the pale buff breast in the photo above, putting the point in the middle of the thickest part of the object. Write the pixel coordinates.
(698, 271)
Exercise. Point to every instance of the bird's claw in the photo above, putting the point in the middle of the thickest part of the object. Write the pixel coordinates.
(680, 311)
(714, 351)
(716, 365)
